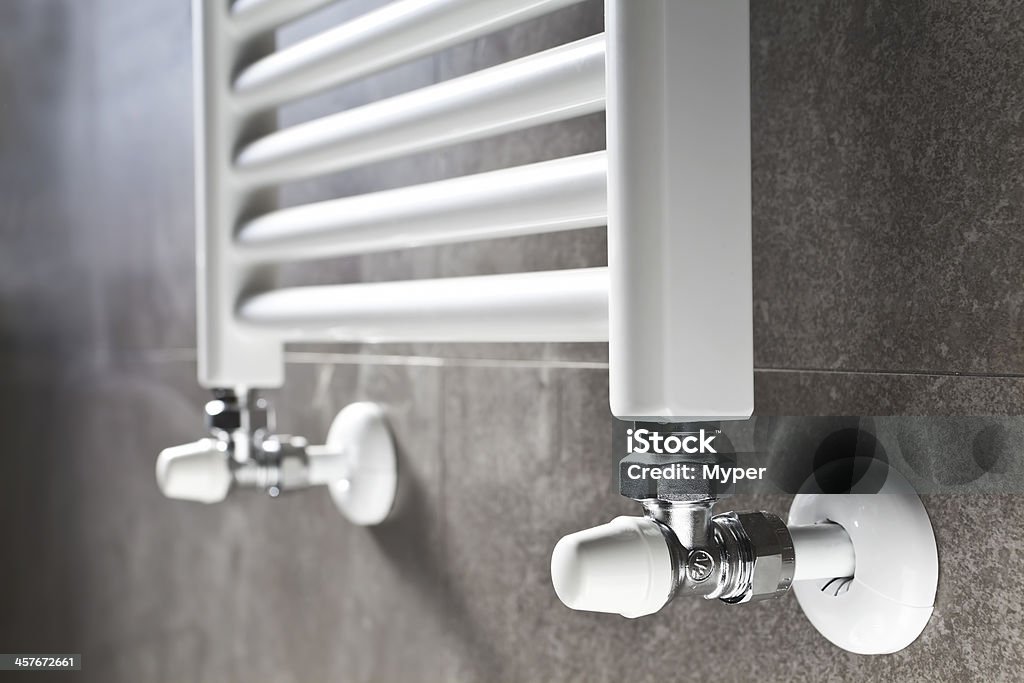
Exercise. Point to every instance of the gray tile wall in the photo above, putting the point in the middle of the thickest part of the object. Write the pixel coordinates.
(888, 194)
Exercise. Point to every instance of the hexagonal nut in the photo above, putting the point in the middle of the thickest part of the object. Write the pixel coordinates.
(771, 549)
(651, 476)
(223, 415)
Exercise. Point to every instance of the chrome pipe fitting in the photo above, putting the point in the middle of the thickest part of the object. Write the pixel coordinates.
(240, 452)
(758, 556)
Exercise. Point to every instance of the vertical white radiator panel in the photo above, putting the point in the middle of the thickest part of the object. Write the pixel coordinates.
(227, 356)
(679, 245)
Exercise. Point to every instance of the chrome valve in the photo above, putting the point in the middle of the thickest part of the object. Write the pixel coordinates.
(863, 564)
(634, 566)
(357, 463)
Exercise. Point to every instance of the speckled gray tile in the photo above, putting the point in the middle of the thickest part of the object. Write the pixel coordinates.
(958, 455)
(842, 393)
(888, 185)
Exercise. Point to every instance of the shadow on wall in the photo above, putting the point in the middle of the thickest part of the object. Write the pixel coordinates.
(76, 486)
(39, 508)
(405, 540)
(831, 452)
(938, 454)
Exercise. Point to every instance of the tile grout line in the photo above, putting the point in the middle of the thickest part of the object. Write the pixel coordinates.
(897, 373)
(316, 357)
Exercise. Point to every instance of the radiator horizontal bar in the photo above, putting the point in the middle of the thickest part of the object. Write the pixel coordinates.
(554, 85)
(563, 194)
(551, 306)
(396, 33)
(252, 17)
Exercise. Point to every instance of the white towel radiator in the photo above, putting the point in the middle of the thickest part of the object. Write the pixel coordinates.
(674, 303)
(673, 187)
(677, 289)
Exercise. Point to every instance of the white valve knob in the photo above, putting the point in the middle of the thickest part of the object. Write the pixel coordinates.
(196, 471)
(623, 567)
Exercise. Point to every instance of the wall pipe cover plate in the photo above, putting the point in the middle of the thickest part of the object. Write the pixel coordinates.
(892, 594)
(367, 495)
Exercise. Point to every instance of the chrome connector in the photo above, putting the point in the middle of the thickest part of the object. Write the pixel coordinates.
(735, 557)
(758, 550)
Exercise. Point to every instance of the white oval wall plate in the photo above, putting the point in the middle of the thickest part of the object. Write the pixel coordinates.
(367, 495)
(887, 604)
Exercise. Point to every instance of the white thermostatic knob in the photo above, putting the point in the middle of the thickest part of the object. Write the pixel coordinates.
(623, 567)
(196, 471)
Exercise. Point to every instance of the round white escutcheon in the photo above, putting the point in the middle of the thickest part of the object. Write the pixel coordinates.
(890, 599)
(367, 494)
